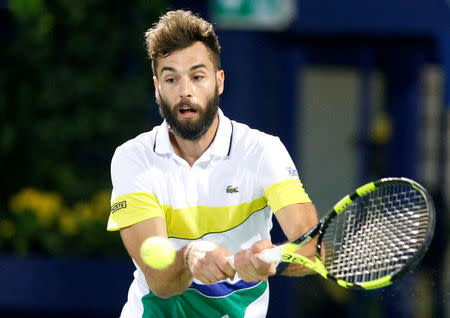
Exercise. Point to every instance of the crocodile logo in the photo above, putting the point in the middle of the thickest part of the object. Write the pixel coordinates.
(231, 189)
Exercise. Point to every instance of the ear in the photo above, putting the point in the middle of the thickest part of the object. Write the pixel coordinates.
(155, 83)
(220, 77)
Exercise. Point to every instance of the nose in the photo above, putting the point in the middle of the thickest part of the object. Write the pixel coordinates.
(185, 88)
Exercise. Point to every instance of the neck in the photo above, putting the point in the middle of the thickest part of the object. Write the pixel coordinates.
(191, 150)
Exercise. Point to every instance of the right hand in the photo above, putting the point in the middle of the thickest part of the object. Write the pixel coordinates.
(250, 267)
(207, 262)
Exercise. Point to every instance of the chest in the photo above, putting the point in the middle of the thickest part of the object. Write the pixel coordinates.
(220, 183)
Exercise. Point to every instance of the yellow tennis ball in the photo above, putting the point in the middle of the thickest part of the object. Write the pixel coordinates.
(157, 252)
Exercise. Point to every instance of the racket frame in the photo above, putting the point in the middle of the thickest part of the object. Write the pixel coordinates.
(289, 255)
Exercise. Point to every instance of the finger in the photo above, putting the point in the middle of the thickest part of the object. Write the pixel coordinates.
(261, 245)
(206, 277)
(218, 266)
(250, 276)
(263, 270)
(227, 270)
(241, 260)
(259, 264)
(200, 270)
(272, 270)
(199, 274)
(245, 268)
(215, 273)
(247, 273)
(214, 267)
(202, 276)
(258, 276)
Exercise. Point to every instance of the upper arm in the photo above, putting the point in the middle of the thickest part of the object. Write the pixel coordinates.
(137, 213)
(133, 198)
(284, 191)
(296, 219)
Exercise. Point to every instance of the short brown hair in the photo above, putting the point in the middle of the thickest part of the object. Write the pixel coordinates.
(177, 30)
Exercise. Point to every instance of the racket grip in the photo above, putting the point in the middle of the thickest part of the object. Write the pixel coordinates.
(271, 255)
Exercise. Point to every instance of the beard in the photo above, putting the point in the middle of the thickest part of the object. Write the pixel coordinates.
(189, 129)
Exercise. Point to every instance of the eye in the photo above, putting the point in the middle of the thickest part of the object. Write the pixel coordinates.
(198, 77)
(170, 80)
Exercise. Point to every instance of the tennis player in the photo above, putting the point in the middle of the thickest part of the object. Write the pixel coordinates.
(209, 184)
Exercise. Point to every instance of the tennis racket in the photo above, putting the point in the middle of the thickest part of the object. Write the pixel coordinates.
(371, 236)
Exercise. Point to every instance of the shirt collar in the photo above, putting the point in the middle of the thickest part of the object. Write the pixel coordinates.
(220, 147)
(162, 142)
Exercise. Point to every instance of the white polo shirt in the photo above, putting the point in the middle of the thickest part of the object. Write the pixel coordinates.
(227, 197)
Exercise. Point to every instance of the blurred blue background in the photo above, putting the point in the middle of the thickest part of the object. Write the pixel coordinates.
(356, 90)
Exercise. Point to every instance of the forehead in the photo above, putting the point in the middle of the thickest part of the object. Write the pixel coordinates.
(184, 59)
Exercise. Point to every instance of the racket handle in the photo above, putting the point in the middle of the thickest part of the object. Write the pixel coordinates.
(270, 255)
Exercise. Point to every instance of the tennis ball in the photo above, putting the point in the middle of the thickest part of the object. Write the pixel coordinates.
(157, 252)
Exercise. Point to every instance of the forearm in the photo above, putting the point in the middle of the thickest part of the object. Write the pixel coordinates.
(297, 270)
(309, 251)
(171, 281)
(296, 220)
(163, 283)
(207, 264)
(206, 261)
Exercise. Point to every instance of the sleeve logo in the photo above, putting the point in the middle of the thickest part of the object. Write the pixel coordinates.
(118, 205)
(293, 172)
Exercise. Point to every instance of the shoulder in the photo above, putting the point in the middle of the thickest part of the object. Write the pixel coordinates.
(251, 139)
(139, 148)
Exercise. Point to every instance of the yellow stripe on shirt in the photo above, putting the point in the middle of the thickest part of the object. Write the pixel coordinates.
(284, 193)
(132, 208)
(194, 222)
(186, 223)
(197, 221)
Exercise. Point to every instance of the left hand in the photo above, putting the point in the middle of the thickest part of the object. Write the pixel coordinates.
(207, 262)
(248, 265)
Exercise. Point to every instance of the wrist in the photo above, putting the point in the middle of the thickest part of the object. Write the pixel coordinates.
(186, 253)
(196, 250)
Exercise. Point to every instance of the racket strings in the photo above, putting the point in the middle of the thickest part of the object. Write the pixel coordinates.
(377, 234)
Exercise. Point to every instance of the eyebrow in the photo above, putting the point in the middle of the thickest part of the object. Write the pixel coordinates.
(193, 68)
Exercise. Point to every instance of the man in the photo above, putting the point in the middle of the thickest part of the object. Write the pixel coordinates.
(207, 183)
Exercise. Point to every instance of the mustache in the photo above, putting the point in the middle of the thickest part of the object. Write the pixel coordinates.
(187, 102)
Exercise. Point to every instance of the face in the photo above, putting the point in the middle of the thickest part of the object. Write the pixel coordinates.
(187, 90)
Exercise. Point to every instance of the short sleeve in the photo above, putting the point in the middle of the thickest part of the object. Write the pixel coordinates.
(279, 176)
(132, 200)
